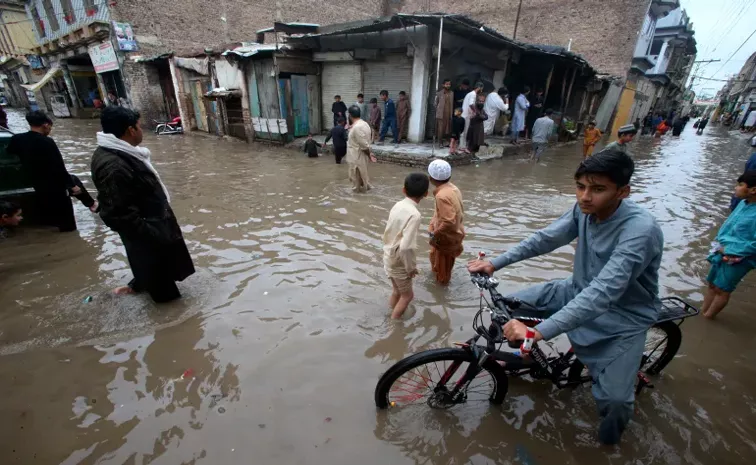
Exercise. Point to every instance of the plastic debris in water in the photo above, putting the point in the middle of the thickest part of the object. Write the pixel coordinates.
(327, 420)
(188, 373)
(393, 404)
(265, 293)
(221, 410)
(87, 299)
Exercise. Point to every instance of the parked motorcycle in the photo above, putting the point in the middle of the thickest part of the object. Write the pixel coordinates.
(169, 127)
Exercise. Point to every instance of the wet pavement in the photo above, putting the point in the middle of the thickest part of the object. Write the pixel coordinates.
(273, 354)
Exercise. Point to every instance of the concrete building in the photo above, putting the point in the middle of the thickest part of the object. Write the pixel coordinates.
(741, 94)
(16, 44)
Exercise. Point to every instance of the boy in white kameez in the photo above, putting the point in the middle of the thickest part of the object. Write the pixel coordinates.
(400, 243)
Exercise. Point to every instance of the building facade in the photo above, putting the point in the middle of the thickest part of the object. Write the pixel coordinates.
(109, 52)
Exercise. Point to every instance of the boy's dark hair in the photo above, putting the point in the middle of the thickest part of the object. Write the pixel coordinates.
(401, 92)
(549, 112)
(447, 80)
(416, 185)
(309, 134)
(502, 91)
(465, 82)
(457, 109)
(749, 178)
(337, 97)
(10, 208)
(37, 118)
(612, 163)
(340, 120)
(373, 100)
(117, 120)
(354, 111)
(360, 96)
(525, 89)
(384, 92)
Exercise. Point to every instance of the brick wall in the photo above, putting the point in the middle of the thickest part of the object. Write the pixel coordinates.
(604, 32)
(196, 24)
(201, 23)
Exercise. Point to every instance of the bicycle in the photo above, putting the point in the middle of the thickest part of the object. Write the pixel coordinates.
(413, 380)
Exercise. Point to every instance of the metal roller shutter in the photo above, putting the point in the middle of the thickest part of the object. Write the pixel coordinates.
(392, 73)
(339, 78)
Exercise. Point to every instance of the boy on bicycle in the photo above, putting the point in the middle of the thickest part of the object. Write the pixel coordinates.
(611, 300)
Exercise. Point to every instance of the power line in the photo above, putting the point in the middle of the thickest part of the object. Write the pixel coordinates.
(733, 53)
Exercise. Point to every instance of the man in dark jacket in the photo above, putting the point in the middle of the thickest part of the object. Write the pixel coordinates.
(135, 204)
(44, 167)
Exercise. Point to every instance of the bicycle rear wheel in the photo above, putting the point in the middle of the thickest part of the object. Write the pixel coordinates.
(662, 343)
(429, 378)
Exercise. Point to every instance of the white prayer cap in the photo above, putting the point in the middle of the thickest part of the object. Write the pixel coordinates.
(440, 170)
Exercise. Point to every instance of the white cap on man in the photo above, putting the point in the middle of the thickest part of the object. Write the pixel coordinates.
(439, 170)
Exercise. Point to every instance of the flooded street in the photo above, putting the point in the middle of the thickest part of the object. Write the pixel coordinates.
(284, 331)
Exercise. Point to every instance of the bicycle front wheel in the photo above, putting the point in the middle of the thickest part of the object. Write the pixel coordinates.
(430, 378)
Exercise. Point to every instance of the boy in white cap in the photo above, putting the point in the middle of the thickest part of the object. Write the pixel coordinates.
(625, 135)
(446, 230)
(400, 242)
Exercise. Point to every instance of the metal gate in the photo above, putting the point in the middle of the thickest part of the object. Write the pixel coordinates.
(392, 73)
(339, 78)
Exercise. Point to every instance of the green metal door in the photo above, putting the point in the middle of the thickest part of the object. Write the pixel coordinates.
(299, 105)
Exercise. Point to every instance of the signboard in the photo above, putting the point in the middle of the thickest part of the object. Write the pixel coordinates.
(35, 62)
(103, 57)
(125, 37)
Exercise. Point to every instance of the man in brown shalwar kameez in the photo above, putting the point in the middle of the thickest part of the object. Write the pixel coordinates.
(358, 150)
(446, 230)
(444, 112)
(403, 110)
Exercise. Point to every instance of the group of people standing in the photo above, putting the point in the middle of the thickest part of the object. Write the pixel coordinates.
(466, 115)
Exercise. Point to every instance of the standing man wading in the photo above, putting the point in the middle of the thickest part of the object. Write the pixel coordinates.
(358, 151)
(135, 203)
(543, 128)
(611, 300)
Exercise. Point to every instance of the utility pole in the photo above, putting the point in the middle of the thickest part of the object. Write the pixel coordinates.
(517, 20)
(698, 63)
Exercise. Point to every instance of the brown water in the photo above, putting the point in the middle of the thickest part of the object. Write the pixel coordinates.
(285, 328)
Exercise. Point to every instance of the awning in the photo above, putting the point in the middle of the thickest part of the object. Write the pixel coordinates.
(38, 85)
(195, 64)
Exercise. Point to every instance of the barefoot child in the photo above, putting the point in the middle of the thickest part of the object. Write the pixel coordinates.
(458, 127)
(733, 253)
(400, 242)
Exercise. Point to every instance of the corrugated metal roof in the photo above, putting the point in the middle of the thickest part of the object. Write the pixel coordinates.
(254, 49)
(453, 23)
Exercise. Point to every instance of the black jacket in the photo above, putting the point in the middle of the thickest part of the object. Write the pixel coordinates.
(133, 204)
(339, 136)
(41, 161)
(339, 107)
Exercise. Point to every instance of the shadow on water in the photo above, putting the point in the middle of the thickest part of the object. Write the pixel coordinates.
(283, 332)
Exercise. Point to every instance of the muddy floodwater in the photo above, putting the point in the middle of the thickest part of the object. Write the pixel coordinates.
(273, 354)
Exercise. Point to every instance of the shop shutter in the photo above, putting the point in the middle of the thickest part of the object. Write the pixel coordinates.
(339, 78)
(393, 72)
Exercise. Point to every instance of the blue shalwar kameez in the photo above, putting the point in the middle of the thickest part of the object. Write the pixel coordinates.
(609, 303)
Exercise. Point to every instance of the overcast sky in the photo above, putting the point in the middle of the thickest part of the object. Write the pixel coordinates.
(721, 26)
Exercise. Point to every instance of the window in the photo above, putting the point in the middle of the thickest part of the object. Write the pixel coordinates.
(39, 25)
(91, 8)
(68, 11)
(656, 47)
(50, 13)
